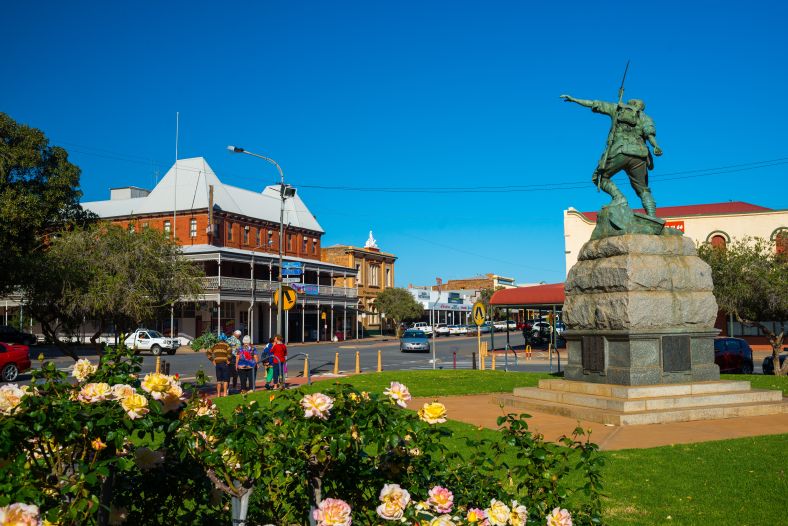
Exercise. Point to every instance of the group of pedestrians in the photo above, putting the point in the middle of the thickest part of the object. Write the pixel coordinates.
(240, 360)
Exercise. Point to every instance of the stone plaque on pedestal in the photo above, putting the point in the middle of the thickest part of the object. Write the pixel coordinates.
(676, 354)
(640, 310)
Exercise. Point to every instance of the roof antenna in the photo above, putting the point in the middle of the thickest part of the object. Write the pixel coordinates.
(175, 187)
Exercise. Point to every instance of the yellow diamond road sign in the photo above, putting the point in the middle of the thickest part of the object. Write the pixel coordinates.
(290, 297)
(478, 313)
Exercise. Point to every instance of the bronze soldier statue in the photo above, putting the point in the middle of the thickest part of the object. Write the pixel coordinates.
(626, 149)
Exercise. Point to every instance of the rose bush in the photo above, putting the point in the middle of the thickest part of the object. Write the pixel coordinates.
(111, 446)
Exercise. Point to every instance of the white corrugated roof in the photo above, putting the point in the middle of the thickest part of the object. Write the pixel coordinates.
(194, 176)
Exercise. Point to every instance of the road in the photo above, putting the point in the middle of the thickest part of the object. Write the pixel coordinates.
(322, 356)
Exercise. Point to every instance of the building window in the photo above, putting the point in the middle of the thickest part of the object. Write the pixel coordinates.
(290, 242)
(780, 238)
(229, 231)
(389, 281)
(270, 238)
(305, 248)
(314, 246)
(192, 228)
(257, 237)
(246, 235)
(358, 273)
(167, 228)
(145, 226)
(374, 276)
(718, 241)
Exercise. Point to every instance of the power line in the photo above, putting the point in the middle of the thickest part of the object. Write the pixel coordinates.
(487, 189)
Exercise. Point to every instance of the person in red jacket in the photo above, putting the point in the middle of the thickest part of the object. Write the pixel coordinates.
(279, 350)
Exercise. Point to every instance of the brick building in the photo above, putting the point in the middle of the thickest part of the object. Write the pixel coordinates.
(234, 234)
(374, 273)
(488, 281)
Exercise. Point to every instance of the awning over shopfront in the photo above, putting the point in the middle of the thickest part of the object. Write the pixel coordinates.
(536, 296)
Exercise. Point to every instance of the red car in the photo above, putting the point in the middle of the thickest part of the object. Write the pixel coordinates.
(14, 359)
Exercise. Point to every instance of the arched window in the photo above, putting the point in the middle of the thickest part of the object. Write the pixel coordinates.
(718, 241)
(780, 238)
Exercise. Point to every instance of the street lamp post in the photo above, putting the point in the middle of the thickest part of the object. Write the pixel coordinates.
(285, 191)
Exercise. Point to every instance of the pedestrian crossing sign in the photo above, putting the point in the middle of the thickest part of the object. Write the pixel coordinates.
(479, 313)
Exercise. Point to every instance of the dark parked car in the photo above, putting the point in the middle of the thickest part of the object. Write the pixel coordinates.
(14, 359)
(413, 340)
(10, 334)
(733, 355)
(768, 362)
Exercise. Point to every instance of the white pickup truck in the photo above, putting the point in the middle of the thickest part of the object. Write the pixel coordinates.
(423, 326)
(150, 340)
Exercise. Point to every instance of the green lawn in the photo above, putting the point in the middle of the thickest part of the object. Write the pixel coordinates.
(761, 381)
(420, 383)
(731, 482)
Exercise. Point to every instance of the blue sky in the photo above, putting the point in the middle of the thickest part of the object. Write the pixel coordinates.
(410, 95)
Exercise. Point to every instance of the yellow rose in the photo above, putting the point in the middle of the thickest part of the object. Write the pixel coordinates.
(156, 384)
(98, 444)
(434, 413)
(498, 513)
(95, 392)
(136, 406)
(121, 391)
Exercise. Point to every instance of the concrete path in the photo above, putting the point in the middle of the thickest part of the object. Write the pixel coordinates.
(481, 410)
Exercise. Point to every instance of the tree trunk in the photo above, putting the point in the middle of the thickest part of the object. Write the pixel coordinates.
(51, 333)
(94, 339)
(105, 498)
(316, 484)
(777, 343)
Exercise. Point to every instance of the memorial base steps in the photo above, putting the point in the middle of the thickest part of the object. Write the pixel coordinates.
(645, 404)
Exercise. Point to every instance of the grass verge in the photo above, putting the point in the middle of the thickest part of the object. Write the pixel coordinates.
(730, 482)
(761, 381)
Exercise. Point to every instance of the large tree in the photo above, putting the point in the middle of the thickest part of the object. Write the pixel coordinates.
(751, 283)
(398, 305)
(38, 195)
(485, 295)
(110, 275)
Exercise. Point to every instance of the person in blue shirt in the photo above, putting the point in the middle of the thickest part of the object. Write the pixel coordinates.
(267, 359)
(245, 363)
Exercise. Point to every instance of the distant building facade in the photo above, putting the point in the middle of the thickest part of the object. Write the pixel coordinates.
(234, 234)
(715, 223)
(451, 307)
(488, 281)
(374, 273)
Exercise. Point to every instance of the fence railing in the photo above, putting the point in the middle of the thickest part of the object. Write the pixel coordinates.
(213, 283)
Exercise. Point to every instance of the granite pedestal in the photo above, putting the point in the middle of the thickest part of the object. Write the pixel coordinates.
(640, 311)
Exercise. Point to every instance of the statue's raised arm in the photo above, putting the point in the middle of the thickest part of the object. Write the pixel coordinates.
(582, 102)
(627, 149)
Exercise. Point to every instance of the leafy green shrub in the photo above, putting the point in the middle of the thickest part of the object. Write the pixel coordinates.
(112, 449)
(204, 341)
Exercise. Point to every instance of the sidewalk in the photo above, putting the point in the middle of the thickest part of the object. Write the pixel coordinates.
(481, 410)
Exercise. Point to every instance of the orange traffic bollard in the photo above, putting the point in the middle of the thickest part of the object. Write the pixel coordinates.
(493, 360)
(380, 363)
(358, 363)
(336, 363)
(306, 366)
